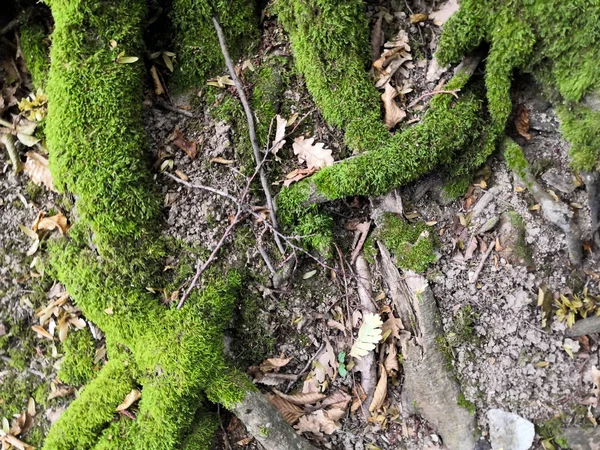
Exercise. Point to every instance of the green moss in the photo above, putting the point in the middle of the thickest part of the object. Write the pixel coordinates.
(463, 331)
(553, 40)
(581, 127)
(370, 250)
(195, 39)
(515, 159)
(466, 404)
(33, 191)
(77, 367)
(552, 429)
(35, 48)
(202, 432)
(266, 97)
(410, 244)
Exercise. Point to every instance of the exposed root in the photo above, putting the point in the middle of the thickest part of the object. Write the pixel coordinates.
(592, 184)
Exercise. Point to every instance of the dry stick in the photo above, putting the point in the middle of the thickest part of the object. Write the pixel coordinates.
(160, 102)
(305, 369)
(251, 131)
(225, 438)
(428, 94)
(347, 297)
(482, 262)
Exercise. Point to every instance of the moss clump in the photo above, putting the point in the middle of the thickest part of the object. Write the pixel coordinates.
(466, 404)
(552, 429)
(35, 48)
(77, 366)
(196, 43)
(553, 40)
(515, 158)
(410, 244)
(580, 125)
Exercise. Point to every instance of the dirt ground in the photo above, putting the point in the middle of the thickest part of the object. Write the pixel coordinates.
(501, 354)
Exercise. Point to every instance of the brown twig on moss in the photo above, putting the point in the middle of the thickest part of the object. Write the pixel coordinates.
(251, 131)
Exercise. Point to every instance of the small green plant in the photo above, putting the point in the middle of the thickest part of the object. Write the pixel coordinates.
(573, 306)
(466, 404)
(264, 431)
(463, 330)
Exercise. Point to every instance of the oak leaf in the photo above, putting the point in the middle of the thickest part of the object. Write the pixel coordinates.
(393, 113)
(290, 412)
(315, 155)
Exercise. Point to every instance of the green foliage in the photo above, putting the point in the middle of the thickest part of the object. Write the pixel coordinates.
(195, 38)
(411, 244)
(35, 48)
(77, 367)
(553, 40)
(466, 404)
(515, 159)
(463, 331)
(553, 429)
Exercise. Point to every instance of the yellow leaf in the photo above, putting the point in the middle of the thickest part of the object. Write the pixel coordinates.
(127, 59)
(42, 332)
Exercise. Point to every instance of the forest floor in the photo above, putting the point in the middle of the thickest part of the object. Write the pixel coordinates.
(500, 351)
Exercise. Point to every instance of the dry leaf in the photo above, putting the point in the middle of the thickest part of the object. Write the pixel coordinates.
(221, 82)
(376, 38)
(290, 412)
(369, 335)
(273, 363)
(596, 381)
(315, 155)
(36, 167)
(297, 175)
(189, 147)
(522, 122)
(302, 398)
(393, 113)
(31, 407)
(130, 399)
(416, 18)
(440, 16)
(58, 221)
(380, 391)
(279, 142)
(391, 327)
(338, 397)
(392, 366)
(16, 443)
(42, 332)
(318, 422)
(336, 325)
(60, 392)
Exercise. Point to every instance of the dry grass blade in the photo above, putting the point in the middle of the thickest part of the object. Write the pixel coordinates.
(301, 399)
(290, 412)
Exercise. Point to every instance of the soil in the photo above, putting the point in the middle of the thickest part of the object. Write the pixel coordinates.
(499, 358)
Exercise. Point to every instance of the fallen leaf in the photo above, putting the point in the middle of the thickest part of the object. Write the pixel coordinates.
(189, 147)
(376, 38)
(522, 122)
(318, 422)
(380, 390)
(274, 363)
(391, 364)
(158, 87)
(16, 443)
(596, 381)
(31, 407)
(315, 155)
(130, 399)
(122, 59)
(393, 325)
(309, 274)
(279, 140)
(336, 325)
(369, 335)
(416, 18)
(220, 160)
(245, 441)
(36, 167)
(57, 221)
(301, 398)
(60, 392)
(297, 175)
(42, 332)
(441, 16)
(290, 412)
(27, 140)
(181, 175)
(393, 113)
(221, 82)
(535, 207)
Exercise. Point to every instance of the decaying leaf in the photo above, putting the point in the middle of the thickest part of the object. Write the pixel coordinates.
(392, 366)
(36, 167)
(130, 399)
(369, 335)
(301, 398)
(42, 332)
(391, 327)
(297, 175)
(221, 82)
(273, 363)
(279, 140)
(189, 147)
(380, 391)
(522, 122)
(441, 16)
(290, 412)
(55, 222)
(416, 18)
(315, 155)
(9, 441)
(396, 57)
(60, 391)
(319, 422)
(393, 113)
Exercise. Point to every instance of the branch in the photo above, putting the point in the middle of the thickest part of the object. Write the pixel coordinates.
(251, 130)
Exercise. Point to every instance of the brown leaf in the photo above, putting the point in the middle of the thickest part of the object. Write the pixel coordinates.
(392, 327)
(380, 390)
(58, 221)
(189, 147)
(279, 142)
(338, 397)
(376, 38)
(416, 18)
(41, 331)
(297, 175)
(301, 399)
(336, 325)
(317, 422)
(16, 443)
(158, 88)
(315, 155)
(130, 399)
(392, 366)
(36, 167)
(60, 392)
(393, 113)
(274, 363)
(290, 412)
(522, 122)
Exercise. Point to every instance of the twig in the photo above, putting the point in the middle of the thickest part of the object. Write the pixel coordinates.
(225, 438)
(210, 259)
(303, 371)
(482, 262)
(160, 102)
(264, 254)
(9, 142)
(9, 27)
(251, 131)
(347, 296)
(428, 94)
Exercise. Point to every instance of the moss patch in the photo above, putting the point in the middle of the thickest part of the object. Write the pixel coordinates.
(77, 367)
(35, 47)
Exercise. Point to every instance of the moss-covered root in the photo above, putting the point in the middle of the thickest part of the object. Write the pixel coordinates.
(195, 40)
(35, 47)
(77, 367)
(80, 425)
(553, 210)
(94, 128)
(202, 433)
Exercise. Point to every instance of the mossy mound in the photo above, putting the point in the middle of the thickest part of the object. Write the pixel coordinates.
(77, 367)
(35, 47)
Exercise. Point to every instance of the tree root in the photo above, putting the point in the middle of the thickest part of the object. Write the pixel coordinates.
(553, 211)
(430, 388)
(592, 185)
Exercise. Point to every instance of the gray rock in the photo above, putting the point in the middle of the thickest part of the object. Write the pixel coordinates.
(509, 431)
(582, 438)
(559, 180)
(584, 327)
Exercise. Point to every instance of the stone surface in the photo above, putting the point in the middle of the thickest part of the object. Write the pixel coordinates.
(582, 439)
(509, 431)
(584, 327)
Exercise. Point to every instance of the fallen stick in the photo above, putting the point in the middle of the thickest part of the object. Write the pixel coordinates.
(486, 255)
(160, 102)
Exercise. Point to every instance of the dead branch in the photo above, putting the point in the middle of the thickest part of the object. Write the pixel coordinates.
(160, 102)
(251, 130)
(484, 258)
(592, 185)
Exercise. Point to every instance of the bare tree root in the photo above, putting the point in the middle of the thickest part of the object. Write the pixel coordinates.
(592, 185)
(554, 211)
(430, 388)
(267, 425)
